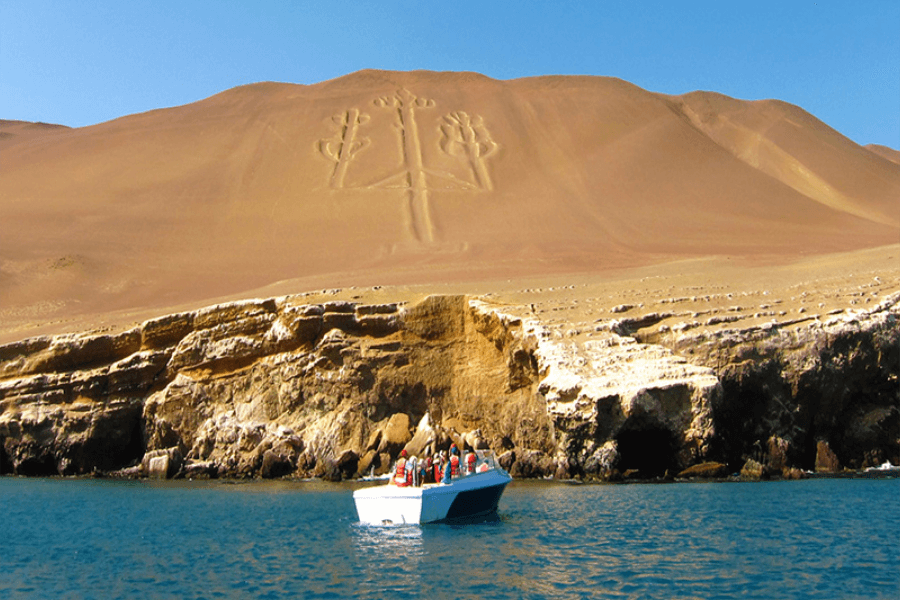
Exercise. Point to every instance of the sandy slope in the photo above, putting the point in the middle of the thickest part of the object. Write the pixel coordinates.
(421, 181)
(885, 152)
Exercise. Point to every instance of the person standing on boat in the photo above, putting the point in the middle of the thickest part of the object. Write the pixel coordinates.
(412, 471)
(448, 475)
(470, 462)
(425, 469)
(452, 470)
(399, 478)
(438, 465)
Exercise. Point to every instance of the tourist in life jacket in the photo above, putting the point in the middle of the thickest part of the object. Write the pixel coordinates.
(470, 462)
(454, 461)
(399, 478)
(451, 469)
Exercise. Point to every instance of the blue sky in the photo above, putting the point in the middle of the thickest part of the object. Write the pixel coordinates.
(79, 63)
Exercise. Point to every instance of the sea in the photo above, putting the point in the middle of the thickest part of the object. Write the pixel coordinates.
(103, 539)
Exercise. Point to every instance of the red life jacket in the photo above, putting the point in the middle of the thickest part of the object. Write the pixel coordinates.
(400, 474)
(454, 466)
(470, 462)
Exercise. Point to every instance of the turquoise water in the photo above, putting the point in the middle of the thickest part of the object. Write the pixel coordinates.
(115, 539)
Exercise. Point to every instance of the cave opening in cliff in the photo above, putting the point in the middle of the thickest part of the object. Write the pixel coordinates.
(5, 467)
(38, 466)
(651, 451)
(134, 449)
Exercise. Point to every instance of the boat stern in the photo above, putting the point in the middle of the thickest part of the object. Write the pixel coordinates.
(388, 505)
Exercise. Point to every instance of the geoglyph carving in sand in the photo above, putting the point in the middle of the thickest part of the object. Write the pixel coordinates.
(345, 144)
(468, 135)
(463, 137)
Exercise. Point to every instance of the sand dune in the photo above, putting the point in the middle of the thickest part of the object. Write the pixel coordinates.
(416, 178)
(14, 132)
(793, 147)
(885, 152)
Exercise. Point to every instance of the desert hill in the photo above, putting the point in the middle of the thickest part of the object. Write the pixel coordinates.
(17, 130)
(888, 153)
(413, 178)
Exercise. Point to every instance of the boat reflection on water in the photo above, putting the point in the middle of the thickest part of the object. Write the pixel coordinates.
(407, 559)
(389, 542)
(394, 557)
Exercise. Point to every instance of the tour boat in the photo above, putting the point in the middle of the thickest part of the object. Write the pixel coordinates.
(466, 496)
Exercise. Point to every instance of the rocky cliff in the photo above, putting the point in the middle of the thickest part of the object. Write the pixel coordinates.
(282, 386)
(816, 392)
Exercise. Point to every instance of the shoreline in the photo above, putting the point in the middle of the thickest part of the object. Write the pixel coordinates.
(870, 473)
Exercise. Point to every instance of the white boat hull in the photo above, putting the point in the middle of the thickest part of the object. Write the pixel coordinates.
(469, 496)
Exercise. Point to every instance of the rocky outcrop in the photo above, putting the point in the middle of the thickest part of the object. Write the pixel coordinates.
(281, 387)
(787, 388)
(707, 470)
(268, 387)
(617, 404)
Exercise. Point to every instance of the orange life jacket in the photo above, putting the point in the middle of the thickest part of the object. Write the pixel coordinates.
(454, 466)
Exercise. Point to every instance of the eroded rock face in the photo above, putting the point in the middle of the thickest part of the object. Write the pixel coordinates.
(267, 387)
(832, 380)
(621, 405)
(278, 387)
